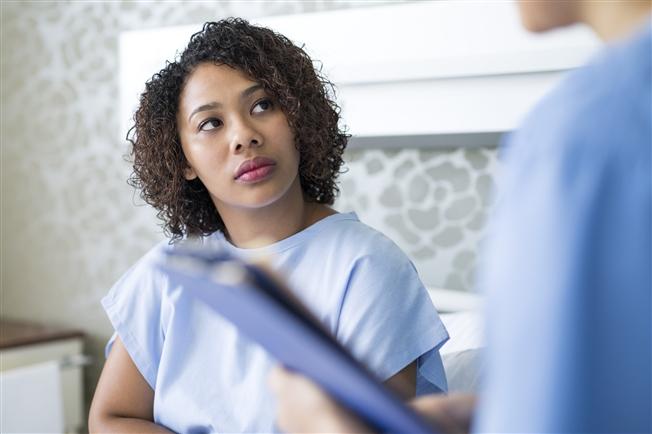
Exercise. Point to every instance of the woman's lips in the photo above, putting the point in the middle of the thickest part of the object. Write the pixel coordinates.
(256, 174)
(254, 170)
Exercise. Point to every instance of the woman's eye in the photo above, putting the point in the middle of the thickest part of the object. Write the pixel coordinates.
(210, 124)
(262, 106)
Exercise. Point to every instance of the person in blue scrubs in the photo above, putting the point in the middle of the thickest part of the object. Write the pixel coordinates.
(568, 261)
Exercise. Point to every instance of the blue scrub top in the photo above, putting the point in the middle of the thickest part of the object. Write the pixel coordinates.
(567, 262)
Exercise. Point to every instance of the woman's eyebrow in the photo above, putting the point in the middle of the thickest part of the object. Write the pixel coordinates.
(204, 107)
(213, 105)
(251, 89)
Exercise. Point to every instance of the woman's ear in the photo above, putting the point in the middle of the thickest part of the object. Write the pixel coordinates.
(189, 173)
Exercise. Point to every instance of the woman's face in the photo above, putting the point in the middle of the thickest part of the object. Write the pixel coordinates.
(236, 140)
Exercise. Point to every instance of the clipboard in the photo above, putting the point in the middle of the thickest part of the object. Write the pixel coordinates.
(268, 313)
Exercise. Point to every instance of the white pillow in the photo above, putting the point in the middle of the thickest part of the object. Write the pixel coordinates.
(450, 300)
(462, 354)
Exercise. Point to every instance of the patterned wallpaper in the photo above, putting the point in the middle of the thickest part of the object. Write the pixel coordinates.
(71, 225)
(432, 203)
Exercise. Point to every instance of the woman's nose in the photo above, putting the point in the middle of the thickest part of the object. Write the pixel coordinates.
(245, 136)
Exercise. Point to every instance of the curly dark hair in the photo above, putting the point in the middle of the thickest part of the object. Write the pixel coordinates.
(285, 71)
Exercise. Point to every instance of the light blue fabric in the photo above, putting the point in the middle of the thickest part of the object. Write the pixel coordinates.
(568, 260)
(208, 377)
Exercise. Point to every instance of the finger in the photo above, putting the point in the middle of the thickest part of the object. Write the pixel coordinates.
(278, 377)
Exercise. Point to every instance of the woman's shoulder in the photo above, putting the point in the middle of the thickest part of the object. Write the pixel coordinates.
(151, 260)
(145, 278)
(148, 261)
(348, 232)
(142, 274)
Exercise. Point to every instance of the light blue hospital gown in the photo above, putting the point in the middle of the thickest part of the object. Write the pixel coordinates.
(568, 260)
(208, 377)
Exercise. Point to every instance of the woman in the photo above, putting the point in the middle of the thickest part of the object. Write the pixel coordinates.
(238, 142)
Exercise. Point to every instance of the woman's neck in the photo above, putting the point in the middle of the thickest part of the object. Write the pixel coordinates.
(259, 227)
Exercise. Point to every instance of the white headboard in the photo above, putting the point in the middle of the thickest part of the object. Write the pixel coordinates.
(419, 73)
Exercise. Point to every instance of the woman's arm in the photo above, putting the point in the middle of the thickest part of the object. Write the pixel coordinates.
(404, 383)
(123, 400)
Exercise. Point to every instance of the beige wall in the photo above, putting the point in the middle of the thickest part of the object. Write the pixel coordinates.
(70, 226)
